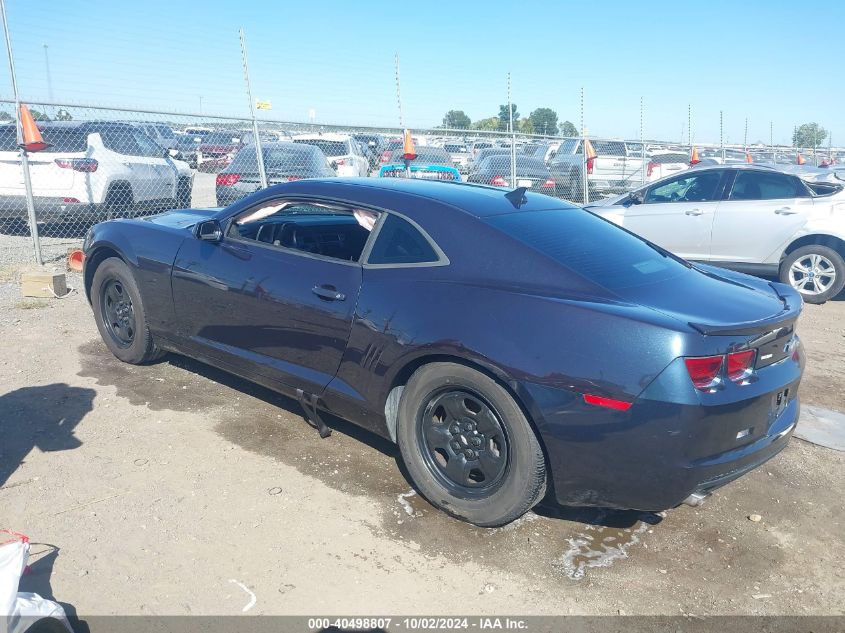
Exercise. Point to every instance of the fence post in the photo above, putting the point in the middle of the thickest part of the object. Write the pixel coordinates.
(30, 202)
(584, 171)
(259, 155)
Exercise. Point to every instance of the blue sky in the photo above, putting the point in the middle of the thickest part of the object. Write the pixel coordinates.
(772, 61)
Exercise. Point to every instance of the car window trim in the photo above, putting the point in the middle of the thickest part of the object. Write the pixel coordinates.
(442, 259)
(685, 174)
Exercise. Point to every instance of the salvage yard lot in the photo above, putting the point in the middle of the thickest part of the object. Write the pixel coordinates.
(131, 479)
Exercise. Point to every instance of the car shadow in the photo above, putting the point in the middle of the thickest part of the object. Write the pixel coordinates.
(42, 417)
(602, 517)
(37, 580)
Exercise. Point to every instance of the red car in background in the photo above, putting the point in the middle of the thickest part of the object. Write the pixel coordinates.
(218, 149)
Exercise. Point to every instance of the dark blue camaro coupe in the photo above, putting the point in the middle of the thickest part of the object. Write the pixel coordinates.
(511, 344)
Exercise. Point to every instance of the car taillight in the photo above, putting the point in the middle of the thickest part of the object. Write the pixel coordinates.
(385, 157)
(227, 180)
(498, 181)
(740, 364)
(549, 184)
(704, 371)
(651, 167)
(70, 200)
(340, 161)
(292, 178)
(78, 164)
(590, 162)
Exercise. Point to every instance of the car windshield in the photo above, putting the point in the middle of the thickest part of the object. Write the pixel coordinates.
(503, 163)
(59, 139)
(427, 155)
(329, 148)
(591, 247)
(221, 138)
(286, 158)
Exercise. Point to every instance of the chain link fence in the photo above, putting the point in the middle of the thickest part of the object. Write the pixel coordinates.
(105, 163)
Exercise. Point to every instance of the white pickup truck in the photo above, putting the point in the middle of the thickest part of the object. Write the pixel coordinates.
(615, 169)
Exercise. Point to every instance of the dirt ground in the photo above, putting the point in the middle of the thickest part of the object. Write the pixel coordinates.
(176, 489)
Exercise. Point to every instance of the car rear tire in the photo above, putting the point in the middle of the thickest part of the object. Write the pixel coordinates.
(468, 446)
(183, 194)
(119, 313)
(815, 271)
(119, 202)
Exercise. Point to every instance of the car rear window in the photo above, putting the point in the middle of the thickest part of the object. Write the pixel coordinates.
(60, 139)
(329, 148)
(455, 148)
(428, 155)
(289, 158)
(663, 159)
(591, 247)
(522, 162)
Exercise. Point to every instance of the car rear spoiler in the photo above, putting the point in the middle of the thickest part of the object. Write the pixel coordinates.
(790, 312)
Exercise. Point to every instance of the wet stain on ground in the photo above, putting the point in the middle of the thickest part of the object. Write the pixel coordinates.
(550, 542)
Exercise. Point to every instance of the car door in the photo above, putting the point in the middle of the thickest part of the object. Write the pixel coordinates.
(266, 304)
(678, 213)
(764, 204)
(162, 178)
(121, 139)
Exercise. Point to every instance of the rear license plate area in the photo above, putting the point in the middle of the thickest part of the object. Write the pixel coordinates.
(779, 402)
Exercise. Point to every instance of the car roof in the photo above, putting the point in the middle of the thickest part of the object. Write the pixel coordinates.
(331, 136)
(476, 200)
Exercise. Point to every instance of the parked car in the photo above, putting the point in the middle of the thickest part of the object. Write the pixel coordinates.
(665, 163)
(187, 148)
(611, 171)
(744, 217)
(460, 155)
(283, 162)
(342, 150)
(432, 163)
(89, 172)
(486, 152)
(373, 146)
(579, 359)
(218, 149)
(531, 173)
(160, 133)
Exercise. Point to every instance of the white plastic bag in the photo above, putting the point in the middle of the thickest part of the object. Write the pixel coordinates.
(20, 610)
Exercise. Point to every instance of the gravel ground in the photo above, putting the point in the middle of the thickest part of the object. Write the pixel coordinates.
(156, 489)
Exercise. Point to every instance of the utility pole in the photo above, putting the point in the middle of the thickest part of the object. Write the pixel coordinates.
(689, 124)
(642, 144)
(399, 95)
(27, 182)
(584, 152)
(259, 154)
(49, 77)
(745, 137)
(722, 135)
(772, 141)
(513, 136)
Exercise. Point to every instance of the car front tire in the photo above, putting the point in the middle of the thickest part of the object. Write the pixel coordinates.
(468, 446)
(815, 271)
(120, 315)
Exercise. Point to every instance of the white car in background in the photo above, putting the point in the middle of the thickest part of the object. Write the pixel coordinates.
(664, 163)
(91, 171)
(343, 152)
(749, 218)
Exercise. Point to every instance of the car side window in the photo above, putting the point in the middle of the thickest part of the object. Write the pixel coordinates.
(399, 242)
(757, 185)
(699, 187)
(326, 230)
(148, 146)
(121, 141)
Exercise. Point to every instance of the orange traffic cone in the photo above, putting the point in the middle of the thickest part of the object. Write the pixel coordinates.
(800, 160)
(748, 158)
(408, 152)
(694, 159)
(32, 141)
(589, 152)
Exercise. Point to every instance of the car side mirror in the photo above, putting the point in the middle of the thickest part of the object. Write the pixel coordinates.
(635, 197)
(210, 231)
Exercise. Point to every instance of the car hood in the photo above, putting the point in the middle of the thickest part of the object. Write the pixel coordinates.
(716, 301)
(181, 218)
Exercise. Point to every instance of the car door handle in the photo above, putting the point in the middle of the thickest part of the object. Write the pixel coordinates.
(785, 211)
(694, 212)
(328, 293)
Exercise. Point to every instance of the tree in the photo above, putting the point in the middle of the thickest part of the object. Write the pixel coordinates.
(567, 129)
(504, 119)
(525, 126)
(63, 115)
(490, 124)
(456, 120)
(544, 121)
(809, 135)
(5, 116)
(38, 116)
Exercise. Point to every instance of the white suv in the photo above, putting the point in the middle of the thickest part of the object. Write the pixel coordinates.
(91, 171)
(751, 218)
(343, 152)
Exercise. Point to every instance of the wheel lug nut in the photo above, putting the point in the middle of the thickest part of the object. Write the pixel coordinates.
(455, 429)
(475, 441)
(469, 454)
(455, 444)
(468, 426)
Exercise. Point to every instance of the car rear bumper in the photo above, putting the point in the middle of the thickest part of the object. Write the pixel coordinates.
(663, 449)
(47, 209)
